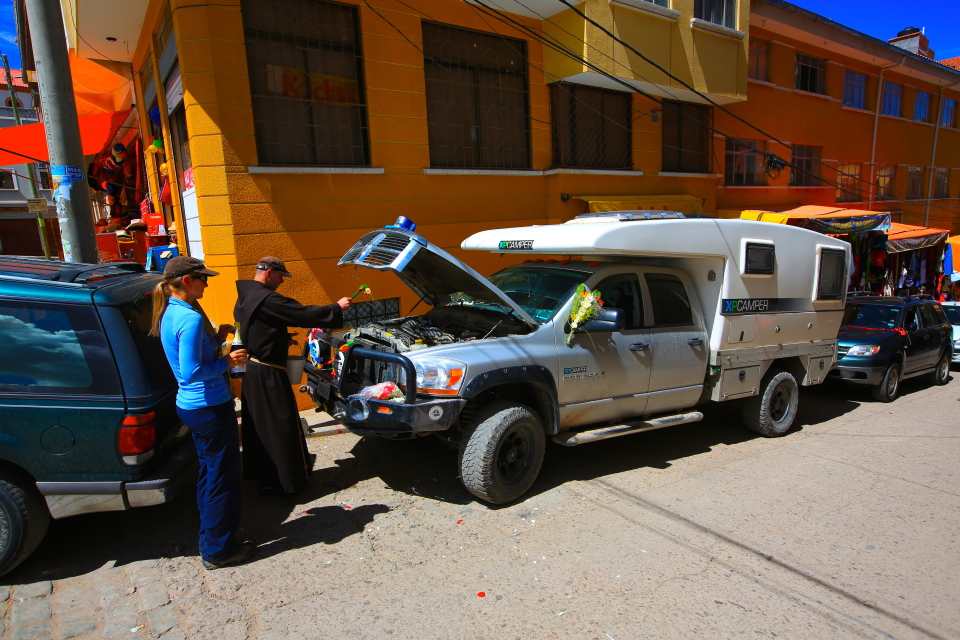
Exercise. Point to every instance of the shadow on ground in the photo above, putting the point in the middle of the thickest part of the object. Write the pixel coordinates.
(423, 467)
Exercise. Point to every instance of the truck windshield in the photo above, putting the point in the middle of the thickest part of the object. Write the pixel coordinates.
(871, 316)
(953, 314)
(539, 291)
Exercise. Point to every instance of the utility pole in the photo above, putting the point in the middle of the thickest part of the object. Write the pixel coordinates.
(41, 225)
(62, 129)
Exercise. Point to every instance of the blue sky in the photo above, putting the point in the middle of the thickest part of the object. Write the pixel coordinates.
(878, 18)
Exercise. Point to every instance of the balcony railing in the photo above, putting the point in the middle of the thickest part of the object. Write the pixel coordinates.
(25, 113)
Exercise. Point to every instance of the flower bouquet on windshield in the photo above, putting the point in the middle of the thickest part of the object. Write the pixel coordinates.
(586, 305)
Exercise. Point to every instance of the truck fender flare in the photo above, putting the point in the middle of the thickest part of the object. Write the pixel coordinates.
(535, 376)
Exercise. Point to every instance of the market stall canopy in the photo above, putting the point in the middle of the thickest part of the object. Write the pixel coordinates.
(681, 203)
(97, 132)
(824, 219)
(906, 237)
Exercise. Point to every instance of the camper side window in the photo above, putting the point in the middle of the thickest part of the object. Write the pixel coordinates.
(830, 282)
(761, 259)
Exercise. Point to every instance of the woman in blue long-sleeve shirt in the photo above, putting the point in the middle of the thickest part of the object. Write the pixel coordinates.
(205, 405)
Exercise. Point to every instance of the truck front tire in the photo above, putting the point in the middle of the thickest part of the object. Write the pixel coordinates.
(23, 521)
(772, 411)
(501, 452)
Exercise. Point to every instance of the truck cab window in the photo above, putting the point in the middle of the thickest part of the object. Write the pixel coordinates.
(671, 307)
(761, 259)
(831, 279)
(623, 292)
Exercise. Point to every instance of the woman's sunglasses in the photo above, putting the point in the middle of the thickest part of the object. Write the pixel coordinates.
(202, 277)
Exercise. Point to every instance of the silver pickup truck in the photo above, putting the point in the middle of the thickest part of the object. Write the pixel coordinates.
(490, 369)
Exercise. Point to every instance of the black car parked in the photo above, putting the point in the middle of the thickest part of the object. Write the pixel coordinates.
(883, 340)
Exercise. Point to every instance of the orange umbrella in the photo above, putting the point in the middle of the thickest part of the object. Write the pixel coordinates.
(96, 133)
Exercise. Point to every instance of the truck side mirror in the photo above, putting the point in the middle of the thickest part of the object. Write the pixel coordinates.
(607, 320)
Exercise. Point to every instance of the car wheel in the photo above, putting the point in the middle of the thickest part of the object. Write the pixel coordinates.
(771, 413)
(23, 521)
(501, 452)
(889, 388)
(941, 374)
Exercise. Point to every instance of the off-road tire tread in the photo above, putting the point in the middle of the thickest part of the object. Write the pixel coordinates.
(934, 377)
(756, 409)
(478, 446)
(879, 391)
(33, 515)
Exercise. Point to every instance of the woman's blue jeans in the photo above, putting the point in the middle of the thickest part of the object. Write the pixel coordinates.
(217, 437)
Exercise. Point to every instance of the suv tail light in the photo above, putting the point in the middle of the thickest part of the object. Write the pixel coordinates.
(137, 436)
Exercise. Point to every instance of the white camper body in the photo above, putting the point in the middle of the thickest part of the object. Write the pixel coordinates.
(767, 292)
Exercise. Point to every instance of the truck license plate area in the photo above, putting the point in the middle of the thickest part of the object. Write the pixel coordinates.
(323, 389)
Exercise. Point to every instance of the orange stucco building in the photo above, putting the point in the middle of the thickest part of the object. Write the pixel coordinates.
(290, 128)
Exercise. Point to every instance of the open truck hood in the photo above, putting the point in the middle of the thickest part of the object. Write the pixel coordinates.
(433, 274)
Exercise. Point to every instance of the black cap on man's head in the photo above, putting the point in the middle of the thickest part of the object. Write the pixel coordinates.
(269, 263)
(186, 266)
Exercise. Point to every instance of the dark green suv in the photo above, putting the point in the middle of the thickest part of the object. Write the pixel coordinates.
(88, 419)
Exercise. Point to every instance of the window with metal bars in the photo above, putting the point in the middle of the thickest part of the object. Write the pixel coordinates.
(591, 127)
(757, 63)
(914, 182)
(941, 182)
(886, 173)
(806, 165)
(687, 137)
(722, 12)
(477, 99)
(306, 82)
(744, 163)
(848, 182)
(811, 73)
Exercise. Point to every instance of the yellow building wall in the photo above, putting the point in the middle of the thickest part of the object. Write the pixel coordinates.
(844, 133)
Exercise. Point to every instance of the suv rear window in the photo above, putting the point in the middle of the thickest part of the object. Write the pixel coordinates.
(139, 315)
(54, 348)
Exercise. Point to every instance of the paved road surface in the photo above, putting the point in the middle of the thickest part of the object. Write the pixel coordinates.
(847, 527)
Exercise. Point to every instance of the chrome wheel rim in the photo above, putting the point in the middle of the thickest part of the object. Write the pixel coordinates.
(893, 381)
(780, 402)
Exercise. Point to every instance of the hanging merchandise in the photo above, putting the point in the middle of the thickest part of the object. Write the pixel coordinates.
(166, 197)
(163, 169)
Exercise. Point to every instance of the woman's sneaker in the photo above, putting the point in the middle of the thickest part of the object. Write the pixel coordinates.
(247, 550)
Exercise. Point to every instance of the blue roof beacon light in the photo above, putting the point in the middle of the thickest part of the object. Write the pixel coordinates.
(404, 223)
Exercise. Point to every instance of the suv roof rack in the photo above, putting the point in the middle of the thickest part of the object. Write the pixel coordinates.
(640, 214)
(67, 272)
(919, 296)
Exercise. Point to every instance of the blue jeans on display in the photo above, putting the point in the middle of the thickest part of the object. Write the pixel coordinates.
(217, 437)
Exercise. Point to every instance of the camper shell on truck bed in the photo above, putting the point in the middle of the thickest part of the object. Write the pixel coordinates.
(696, 310)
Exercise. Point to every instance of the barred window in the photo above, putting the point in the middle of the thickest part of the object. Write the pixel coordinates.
(687, 137)
(810, 74)
(914, 182)
(806, 165)
(921, 108)
(886, 173)
(854, 89)
(306, 82)
(892, 94)
(757, 64)
(477, 99)
(591, 127)
(848, 182)
(722, 12)
(940, 183)
(744, 163)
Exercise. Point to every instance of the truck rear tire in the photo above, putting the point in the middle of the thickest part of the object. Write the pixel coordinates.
(501, 452)
(23, 521)
(772, 411)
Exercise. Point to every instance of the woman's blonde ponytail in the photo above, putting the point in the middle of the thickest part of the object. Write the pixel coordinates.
(161, 295)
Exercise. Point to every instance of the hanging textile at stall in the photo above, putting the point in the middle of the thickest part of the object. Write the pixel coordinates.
(827, 220)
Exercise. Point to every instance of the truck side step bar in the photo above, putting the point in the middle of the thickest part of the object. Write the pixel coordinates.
(573, 438)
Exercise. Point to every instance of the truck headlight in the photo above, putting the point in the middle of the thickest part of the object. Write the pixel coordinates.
(863, 350)
(440, 376)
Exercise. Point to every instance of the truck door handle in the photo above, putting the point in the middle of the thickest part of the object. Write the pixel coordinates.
(695, 342)
(639, 346)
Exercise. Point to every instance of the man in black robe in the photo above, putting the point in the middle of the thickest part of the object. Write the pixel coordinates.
(274, 447)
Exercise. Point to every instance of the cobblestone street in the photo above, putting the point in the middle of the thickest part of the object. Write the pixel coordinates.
(845, 527)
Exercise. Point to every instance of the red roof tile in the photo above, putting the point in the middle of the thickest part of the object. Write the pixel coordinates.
(17, 78)
(953, 63)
